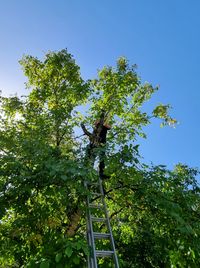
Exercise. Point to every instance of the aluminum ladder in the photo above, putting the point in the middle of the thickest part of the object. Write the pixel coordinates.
(96, 204)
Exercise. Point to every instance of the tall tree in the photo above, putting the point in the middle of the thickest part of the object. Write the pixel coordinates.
(43, 153)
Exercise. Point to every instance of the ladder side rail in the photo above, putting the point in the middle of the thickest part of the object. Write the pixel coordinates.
(89, 259)
(109, 226)
(93, 258)
(88, 232)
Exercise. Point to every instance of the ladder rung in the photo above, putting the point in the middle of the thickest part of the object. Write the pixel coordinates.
(96, 206)
(104, 253)
(101, 235)
(98, 219)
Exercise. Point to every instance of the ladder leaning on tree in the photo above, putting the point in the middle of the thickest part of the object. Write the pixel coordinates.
(96, 205)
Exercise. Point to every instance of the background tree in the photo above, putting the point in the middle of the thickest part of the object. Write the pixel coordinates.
(154, 211)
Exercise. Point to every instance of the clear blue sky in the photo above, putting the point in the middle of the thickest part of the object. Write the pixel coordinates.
(161, 37)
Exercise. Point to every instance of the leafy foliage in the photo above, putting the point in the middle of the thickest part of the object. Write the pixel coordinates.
(154, 211)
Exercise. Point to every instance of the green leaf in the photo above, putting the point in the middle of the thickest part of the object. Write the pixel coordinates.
(68, 252)
(44, 264)
(76, 260)
(86, 250)
(79, 245)
(64, 177)
(58, 257)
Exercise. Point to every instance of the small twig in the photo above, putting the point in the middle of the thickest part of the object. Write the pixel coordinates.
(77, 137)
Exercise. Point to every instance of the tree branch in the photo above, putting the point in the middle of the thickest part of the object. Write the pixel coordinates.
(86, 132)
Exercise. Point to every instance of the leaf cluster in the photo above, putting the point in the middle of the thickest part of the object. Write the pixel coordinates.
(154, 211)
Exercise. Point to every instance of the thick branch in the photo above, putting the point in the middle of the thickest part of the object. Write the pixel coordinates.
(74, 221)
(86, 132)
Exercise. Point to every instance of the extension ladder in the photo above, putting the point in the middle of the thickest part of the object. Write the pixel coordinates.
(96, 206)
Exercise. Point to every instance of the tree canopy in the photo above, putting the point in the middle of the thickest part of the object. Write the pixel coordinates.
(154, 211)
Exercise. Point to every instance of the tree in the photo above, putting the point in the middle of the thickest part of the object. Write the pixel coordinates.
(154, 211)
